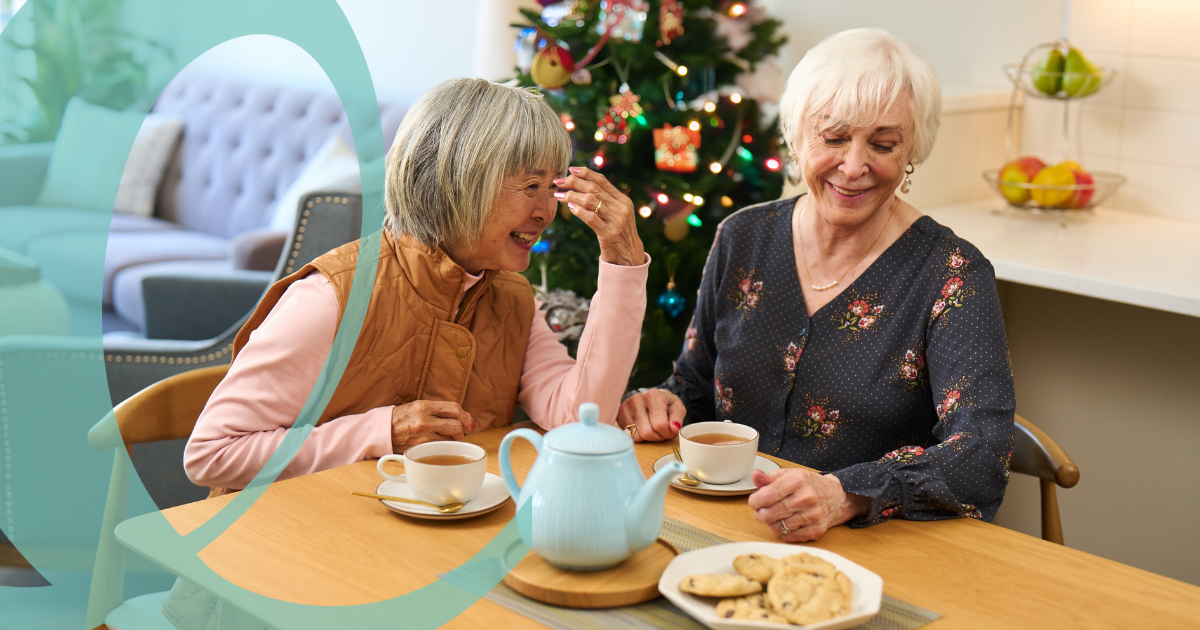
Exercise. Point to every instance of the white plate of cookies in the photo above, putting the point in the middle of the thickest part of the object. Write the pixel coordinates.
(771, 585)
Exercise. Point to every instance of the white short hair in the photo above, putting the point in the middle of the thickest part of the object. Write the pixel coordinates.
(454, 148)
(854, 77)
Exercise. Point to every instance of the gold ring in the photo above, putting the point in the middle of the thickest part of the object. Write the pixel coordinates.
(783, 527)
(598, 204)
(631, 429)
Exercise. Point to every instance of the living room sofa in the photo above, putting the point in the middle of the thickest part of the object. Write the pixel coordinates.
(242, 146)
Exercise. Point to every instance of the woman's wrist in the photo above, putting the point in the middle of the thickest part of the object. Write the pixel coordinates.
(853, 505)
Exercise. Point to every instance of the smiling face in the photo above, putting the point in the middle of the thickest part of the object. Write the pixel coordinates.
(853, 171)
(524, 207)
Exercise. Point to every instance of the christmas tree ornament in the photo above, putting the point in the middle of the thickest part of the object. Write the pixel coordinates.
(552, 67)
(582, 76)
(677, 229)
(615, 122)
(623, 19)
(675, 149)
(670, 22)
(557, 13)
(526, 47)
(671, 301)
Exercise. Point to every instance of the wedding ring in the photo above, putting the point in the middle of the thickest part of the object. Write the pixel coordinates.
(784, 528)
(598, 204)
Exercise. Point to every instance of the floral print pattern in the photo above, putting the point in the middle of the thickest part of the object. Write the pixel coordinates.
(862, 314)
(818, 419)
(955, 289)
(749, 292)
(791, 358)
(952, 398)
(970, 511)
(911, 370)
(904, 455)
(828, 388)
(724, 397)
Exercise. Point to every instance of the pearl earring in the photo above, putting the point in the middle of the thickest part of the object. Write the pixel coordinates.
(907, 185)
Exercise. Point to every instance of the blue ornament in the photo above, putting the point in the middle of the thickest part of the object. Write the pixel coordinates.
(672, 302)
(541, 247)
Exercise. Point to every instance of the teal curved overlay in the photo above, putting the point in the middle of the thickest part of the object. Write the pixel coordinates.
(186, 29)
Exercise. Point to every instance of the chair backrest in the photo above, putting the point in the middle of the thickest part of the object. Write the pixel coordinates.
(1036, 454)
(168, 409)
(324, 222)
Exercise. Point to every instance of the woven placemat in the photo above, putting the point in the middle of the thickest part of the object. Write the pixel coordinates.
(660, 613)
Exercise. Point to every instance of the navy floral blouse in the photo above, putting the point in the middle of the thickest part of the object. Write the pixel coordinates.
(900, 385)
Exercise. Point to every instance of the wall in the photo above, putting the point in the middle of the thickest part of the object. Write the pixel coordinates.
(409, 45)
(967, 42)
(1115, 386)
(1146, 124)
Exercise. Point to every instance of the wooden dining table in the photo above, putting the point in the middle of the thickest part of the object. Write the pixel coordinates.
(309, 540)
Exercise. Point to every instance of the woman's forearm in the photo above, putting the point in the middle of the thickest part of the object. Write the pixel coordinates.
(553, 384)
(255, 406)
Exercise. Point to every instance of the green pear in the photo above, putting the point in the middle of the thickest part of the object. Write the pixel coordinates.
(1047, 74)
(1081, 77)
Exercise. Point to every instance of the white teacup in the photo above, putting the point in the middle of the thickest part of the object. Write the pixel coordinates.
(718, 464)
(436, 483)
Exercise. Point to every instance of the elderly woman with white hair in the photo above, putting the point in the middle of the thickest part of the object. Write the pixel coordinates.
(858, 336)
(452, 339)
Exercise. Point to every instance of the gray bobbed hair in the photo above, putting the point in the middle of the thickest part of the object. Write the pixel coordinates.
(454, 148)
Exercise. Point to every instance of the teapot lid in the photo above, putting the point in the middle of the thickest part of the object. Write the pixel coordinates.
(588, 436)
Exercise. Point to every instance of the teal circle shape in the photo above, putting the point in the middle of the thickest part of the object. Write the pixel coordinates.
(185, 29)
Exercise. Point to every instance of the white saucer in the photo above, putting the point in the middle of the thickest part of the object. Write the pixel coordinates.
(491, 496)
(740, 487)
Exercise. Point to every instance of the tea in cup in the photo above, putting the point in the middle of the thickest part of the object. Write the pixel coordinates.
(440, 472)
(718, 452)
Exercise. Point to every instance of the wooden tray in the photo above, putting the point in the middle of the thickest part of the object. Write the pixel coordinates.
(632, 582)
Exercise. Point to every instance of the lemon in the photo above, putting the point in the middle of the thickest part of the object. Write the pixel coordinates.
(1058, 175)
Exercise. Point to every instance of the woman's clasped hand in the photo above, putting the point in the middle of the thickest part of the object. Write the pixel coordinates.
(804, 502)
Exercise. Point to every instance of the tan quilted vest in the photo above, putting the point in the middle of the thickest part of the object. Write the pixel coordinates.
(410, 348)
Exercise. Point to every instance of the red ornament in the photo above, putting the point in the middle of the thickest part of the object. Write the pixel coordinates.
(670, 22)
(675, 149)
(615, 123)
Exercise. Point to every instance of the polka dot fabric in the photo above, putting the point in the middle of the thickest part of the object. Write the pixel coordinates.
(900, 385)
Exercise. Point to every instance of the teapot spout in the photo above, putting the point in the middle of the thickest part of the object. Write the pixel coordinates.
(644, 514)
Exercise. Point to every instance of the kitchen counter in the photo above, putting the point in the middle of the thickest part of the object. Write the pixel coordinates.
(1138, 259)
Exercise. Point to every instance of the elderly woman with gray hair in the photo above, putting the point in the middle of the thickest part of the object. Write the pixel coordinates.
(452, 340)
(858, 336)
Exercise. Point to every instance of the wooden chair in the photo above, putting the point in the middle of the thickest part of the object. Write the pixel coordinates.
(166, 410)
(1034, 453)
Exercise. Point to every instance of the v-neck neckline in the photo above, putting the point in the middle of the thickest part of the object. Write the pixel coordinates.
(796, 271)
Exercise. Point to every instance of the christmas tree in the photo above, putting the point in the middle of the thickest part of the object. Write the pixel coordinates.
(648, 90)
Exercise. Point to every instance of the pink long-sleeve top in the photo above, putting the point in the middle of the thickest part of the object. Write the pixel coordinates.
(254, 407)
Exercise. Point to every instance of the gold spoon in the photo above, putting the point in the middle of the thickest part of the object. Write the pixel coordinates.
(449, 508)
(686, 479)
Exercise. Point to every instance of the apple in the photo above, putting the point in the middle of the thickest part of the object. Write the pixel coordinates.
(1080, 76)
(1019, 171)
(1082, 178)
(1057, 175)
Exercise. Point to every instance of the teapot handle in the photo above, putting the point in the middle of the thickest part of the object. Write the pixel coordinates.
(534, 438)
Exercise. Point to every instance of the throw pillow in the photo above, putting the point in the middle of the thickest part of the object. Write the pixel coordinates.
(334, 168)
(152, 149)
(85, 170)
